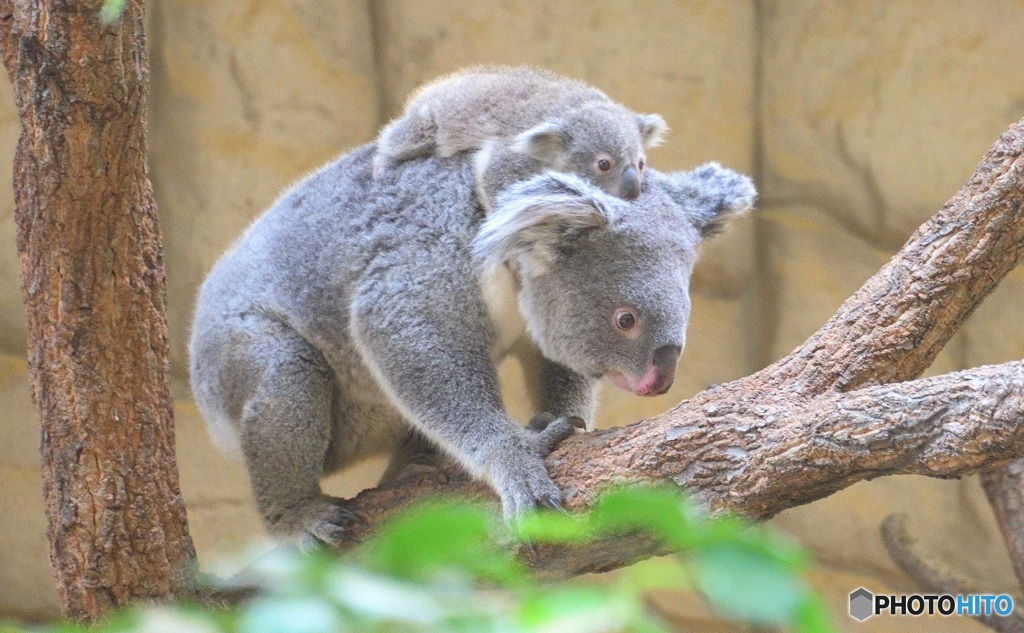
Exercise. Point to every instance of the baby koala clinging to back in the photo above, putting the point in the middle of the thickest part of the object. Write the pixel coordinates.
(529, 120)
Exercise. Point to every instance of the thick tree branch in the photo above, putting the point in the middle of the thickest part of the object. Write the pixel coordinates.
(759, 460)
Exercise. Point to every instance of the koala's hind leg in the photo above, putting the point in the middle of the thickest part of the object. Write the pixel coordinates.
(285, 434)
(414, 455)
(412, 136)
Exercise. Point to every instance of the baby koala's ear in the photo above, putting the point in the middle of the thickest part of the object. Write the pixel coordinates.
(652, 129)
(545, 142)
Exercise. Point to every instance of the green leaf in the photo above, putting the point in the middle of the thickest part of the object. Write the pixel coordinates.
(288, 571)
(812, 616)
(129, 619)
(443, 535)
(660, 510)
(744, 583)
(731, 530)
(553, 527)
(382, 598)
(111, 11)
(288, 615)
(570, 609)
(666, 572)
(175, 619)
(69, 627)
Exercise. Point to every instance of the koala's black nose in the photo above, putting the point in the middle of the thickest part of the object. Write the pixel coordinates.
(664, 361)
(666, 357)
(630, 187)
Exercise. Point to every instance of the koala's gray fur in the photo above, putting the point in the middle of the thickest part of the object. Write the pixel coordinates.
(361, 316)
(558, 122)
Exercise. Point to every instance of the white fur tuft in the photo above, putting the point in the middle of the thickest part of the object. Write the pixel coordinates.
(652, 129)
(533, 215)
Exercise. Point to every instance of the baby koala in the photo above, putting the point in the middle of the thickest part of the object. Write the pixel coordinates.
(526, 120)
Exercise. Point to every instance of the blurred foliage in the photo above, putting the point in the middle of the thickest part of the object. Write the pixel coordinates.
(447, 566)
(111, 11)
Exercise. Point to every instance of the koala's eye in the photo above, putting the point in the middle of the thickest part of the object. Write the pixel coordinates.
(604, 164)
(640, 166)
(624, 319)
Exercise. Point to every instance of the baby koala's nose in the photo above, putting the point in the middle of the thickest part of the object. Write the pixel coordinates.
(630, 187)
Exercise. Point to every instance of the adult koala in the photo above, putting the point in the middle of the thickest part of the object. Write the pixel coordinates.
(361, 316)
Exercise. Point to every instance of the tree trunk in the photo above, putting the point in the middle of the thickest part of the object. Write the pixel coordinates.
(93, 280)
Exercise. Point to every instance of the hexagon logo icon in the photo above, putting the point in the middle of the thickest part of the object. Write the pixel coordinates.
(861, 604)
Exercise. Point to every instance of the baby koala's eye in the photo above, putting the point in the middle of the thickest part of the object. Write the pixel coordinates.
(624, 319)
(604, 164)
(640, 165)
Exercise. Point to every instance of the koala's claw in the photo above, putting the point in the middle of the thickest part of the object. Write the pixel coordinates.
(324, 522)
(529, 551)
(555, 504)
(525, 487)
(551, 430)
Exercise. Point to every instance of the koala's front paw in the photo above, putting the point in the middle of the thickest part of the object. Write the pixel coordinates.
(317, 522)
(519, 474)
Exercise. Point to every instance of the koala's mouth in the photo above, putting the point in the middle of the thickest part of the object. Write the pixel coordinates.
(652, 383)
(657, 378)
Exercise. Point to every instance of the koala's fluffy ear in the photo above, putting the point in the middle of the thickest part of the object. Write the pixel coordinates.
(533, 218)
(712, 194)
(652, 129)
(545, 142)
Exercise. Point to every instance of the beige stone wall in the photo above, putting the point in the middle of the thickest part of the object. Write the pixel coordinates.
(857, 119)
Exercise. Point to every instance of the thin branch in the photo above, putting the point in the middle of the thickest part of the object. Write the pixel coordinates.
(1005, 490)
(934, 576)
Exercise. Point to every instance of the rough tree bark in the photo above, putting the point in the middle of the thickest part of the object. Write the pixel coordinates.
(841, 408)
(93, 279)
